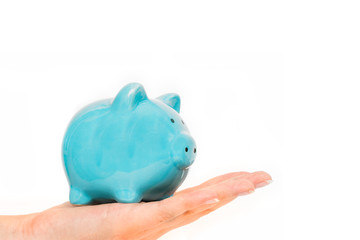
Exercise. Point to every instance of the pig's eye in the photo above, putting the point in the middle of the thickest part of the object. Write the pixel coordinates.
(172, 120)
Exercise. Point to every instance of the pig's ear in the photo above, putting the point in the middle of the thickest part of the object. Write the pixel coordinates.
(172, 100)
(129, 97)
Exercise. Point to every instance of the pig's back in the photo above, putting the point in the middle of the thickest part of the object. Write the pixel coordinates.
(78, 155)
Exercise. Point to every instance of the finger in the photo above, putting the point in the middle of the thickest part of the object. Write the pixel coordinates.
(225, 190)
(232, 187)
(259, 179)
(185, 219)
(192, 217)
(177, 205)
(222, 178)
(226, 187)
(214, 180)
(164, 216)
(172, 207)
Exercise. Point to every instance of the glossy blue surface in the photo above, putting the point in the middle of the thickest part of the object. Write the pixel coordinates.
(128, 149)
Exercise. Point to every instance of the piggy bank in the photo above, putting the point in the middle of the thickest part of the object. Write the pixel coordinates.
(127, 149)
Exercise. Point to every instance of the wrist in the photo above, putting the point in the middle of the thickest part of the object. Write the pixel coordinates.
(16, 227)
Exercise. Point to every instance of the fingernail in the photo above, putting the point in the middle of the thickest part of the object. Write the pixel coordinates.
(246, 193)
(212, 201)
(263, 184)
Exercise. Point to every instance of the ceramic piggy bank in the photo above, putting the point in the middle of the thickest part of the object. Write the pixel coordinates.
(127, 149)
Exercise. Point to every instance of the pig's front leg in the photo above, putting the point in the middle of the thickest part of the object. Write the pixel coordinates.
(78, 196)
(128, 196)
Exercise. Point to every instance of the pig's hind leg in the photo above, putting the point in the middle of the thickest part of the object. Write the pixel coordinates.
(128, 196)
(78, 196)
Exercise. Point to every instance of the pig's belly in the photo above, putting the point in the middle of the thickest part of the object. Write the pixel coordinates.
(167, 187)
(154, 182)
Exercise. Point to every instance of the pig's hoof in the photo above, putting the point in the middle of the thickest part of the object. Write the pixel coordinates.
(127, 196)
(77, 196)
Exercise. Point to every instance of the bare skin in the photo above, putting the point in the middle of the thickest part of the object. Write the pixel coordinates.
(135, 221)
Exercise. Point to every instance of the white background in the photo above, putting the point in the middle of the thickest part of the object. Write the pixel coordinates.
(265, 85)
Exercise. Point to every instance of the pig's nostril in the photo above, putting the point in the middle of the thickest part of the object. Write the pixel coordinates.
(186, 149)
(194, 150)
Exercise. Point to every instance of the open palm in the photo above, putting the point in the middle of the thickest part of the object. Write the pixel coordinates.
(145, 220)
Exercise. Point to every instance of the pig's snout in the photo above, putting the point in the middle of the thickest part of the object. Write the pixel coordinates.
(184, 149)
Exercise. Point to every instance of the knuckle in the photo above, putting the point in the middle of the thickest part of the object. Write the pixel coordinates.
(171, 208)
(165, 212)
(261, 173)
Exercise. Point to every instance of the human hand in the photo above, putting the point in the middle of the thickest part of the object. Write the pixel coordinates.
(140, 221)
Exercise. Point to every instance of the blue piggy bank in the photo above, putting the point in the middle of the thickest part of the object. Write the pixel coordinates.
(127, 149)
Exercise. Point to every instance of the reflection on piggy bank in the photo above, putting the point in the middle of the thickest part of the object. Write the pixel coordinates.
(128, 149)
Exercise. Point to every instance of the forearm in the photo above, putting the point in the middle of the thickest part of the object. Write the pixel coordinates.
(15, 227)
